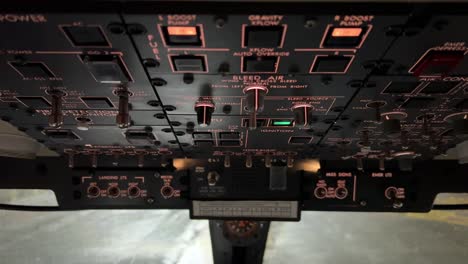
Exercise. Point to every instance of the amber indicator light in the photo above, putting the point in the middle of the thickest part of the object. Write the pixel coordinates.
(346, 32)
(182, 31)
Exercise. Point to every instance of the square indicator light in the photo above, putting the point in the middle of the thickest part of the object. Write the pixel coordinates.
(281, 122)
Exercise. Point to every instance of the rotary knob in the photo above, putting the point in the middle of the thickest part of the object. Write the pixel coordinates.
(204, 111)
(255, 102)
(302, 114)
(459, 122)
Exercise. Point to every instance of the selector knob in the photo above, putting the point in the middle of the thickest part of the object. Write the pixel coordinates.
(255, 102)
(204, 111)
(302, 114)
(460, 126)
(391, 122)
(377, 106)
(459, 123)
(391, 126)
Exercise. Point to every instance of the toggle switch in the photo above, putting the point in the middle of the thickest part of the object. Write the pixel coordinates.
(56, 115)
(302, 114)
(204, 110)
(377, 106)
(123, 116)
(255, 102)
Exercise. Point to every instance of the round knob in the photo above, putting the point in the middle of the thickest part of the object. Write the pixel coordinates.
(391, 126)
(255, 98)
(376, 105)
(302, 114)
(460, 126)
(392, 122)
(204, 111)
(459, 122)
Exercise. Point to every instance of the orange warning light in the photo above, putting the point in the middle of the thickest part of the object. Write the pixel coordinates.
(182, 31)
(346, 32)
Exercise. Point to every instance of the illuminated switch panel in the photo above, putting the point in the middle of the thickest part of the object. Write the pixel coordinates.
(182, 35)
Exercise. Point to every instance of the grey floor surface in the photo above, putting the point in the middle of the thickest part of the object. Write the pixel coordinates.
(169, 237)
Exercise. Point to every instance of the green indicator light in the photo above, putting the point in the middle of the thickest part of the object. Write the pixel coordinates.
(282, 123)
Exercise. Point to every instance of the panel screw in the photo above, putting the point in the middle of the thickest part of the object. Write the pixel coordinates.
(158, 82)
(220, 22)
(310, 23)
(150, 200)
(397, 204)
(151, 63)
(136, 29)
(116, 28)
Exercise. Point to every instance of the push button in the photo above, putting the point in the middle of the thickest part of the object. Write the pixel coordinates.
(182, 36)
(202, 135)
(418, 102)
(401, 87)
(300, 140)
(266, 64)
(32, 69)
(35, 102)
(263, 36)
(204, 143)
(344, 36)
(438, 63)
(97, 102)
(229, 135)
(86, 36)
(187, 63)
(230, 143)
(439, 87)
(106, 68)
(331, 64)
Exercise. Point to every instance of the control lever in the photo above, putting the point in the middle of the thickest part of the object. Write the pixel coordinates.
(56, 115)
(123, 116)
(302, 114)
(255, 102)
(204, 110)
